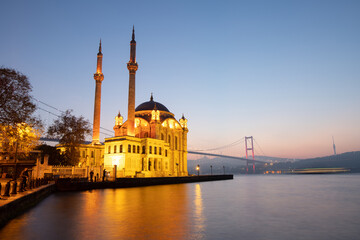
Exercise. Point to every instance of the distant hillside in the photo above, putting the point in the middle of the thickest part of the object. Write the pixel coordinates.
(350, 160)
(346, 160)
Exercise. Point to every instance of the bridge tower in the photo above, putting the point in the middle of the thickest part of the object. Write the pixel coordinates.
(247, 148)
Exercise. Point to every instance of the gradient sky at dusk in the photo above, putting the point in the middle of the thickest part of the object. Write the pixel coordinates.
(285, 72)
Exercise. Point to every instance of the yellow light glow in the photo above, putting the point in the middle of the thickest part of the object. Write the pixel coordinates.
(118, 161)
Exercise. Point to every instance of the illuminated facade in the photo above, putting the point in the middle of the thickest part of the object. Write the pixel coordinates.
(151, 143)
(90, 155)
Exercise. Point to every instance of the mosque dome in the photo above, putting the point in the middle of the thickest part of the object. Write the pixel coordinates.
(151, 105)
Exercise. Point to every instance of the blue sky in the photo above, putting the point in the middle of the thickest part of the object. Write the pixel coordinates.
(285, 72)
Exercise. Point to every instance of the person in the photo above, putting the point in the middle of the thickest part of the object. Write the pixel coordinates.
(104, 173)
(91, 175)
(24, 175)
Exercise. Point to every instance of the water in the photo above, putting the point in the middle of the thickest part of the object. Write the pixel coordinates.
(248, 207)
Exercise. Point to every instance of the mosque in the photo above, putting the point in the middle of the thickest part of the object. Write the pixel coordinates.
(150, 143)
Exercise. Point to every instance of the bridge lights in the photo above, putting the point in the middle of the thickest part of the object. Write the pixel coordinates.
(198, 169)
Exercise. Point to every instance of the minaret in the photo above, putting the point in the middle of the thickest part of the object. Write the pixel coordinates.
(99, 77)
(133, 67)
(334, 146)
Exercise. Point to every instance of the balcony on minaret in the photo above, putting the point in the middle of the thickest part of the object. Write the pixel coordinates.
(98, 77)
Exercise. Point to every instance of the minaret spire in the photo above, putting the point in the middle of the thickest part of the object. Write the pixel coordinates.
(133, 33)
(133, 47)
(132, 67)
(99, 77)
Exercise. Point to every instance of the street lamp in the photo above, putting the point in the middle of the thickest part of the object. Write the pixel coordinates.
(211, 169)
(224, 169)
(198, 169)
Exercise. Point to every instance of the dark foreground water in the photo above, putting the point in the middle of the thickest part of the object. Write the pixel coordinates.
(248, 207)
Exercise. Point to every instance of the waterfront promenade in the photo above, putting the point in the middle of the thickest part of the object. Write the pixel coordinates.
(71, 185)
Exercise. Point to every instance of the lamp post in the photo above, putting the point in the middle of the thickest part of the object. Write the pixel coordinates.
(211, 169)
(224, 169)
(198, 169)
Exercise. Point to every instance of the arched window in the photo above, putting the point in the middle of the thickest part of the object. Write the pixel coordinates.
(115, 149)
(162, 136)
(121, 150)
(150, 150)
(143, 150)
(169, 140)
(109, 149)
(134, 149)
(176, 143)
(155, 150)
(129, 148)
(138, 149)
(92, 154)
(165, 152)
(149, 165)
(159, 150)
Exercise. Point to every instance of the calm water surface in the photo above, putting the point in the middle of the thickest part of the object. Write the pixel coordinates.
(248, 207)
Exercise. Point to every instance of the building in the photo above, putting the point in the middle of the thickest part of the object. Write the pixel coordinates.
(151, 143)
(158, 149)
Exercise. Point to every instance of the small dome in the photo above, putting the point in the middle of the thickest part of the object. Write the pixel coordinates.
(151, 105)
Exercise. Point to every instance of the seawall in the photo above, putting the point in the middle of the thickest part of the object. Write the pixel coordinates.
(68, 185)
(16, 205)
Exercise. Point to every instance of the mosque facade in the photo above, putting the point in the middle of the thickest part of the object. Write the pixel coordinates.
(150, 143)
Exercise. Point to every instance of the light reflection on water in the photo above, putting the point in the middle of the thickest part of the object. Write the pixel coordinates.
(199, 218)
(248, 207)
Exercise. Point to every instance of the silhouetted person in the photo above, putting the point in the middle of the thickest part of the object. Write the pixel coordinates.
(24, 174)
(91, 175)
(104, 173)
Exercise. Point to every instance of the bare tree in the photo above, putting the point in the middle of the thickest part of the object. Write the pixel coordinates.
(71, 132)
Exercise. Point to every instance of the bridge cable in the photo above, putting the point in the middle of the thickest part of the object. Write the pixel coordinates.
(225, 146)
(259, 147)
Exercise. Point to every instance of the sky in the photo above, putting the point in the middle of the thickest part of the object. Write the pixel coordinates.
(285, 72)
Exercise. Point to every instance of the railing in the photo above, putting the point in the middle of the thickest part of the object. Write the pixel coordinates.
(10, 187)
